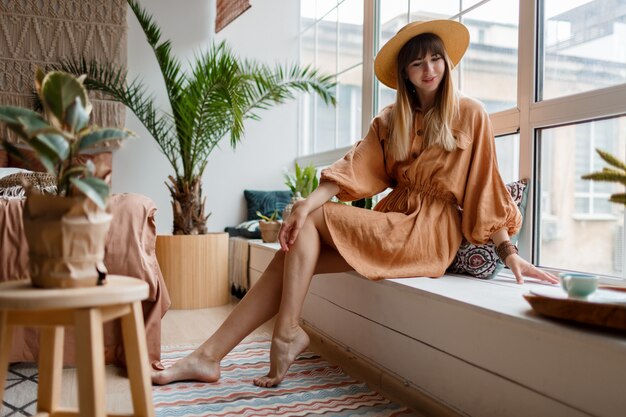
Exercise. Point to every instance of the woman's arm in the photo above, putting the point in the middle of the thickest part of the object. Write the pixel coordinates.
(301, 210)
(518, 265)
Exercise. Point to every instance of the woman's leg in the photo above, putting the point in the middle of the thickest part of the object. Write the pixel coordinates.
(289, 339)
(260, 304)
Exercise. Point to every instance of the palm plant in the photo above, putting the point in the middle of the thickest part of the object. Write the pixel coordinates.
(219, 93)
(616, 174)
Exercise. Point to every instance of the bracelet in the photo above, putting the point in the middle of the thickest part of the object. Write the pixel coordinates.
(505, 249)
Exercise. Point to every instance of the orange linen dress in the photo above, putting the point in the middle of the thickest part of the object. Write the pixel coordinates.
(437, 197)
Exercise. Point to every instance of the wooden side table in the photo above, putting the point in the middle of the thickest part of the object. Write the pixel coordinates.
(86, 309)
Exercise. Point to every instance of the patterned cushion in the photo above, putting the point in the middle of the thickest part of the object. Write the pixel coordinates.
(481, 261)
(266, 202)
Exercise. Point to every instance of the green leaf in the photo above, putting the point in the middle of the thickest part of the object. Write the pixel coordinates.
(39, 76)
(42, 133)
(76, 117)
(611, 159)
(606, 176)
(102, 136)
(618, 198)
(93, 188)
(90, 166)
(58, 92)
(44, 154)
(10, 114)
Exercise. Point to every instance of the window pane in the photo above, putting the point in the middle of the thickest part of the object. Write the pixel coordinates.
(307, 47)
(578, 228)
(469, 3)
(428, 10)
(307, 123)
(386, 96)
(393, 15)
(350, 34)
(489, 68)
(323, 6)
(507, 152)
(324, 126)
(582, 47)
(307, 12)
(349, 106)
(327, 43)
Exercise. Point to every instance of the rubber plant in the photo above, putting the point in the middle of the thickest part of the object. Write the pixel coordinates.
(211, 100)
(58, 138)
(615, 174)
(65, 231)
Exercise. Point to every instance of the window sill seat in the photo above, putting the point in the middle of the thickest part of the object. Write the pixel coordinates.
(476, 347)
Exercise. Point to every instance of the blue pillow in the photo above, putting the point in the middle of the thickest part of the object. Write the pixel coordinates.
(481, 261)
(266, 202)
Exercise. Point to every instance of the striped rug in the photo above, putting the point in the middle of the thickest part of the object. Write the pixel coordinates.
(312, 387)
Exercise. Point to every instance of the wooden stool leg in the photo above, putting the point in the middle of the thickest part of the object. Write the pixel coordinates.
(6, 339)
(137, 362)
(90, 363)
(50, 368)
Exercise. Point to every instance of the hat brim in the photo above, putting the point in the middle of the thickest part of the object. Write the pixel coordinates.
(454, 35)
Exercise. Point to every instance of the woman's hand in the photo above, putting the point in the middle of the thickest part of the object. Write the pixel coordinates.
(291, 227)
(521, 268)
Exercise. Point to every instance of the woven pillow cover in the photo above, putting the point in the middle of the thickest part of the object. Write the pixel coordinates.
(481, 261)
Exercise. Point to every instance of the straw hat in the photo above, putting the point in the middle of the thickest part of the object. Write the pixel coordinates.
(454, 35)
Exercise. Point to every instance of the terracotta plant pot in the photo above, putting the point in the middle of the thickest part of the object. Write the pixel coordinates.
(66, 239)
(269, 231)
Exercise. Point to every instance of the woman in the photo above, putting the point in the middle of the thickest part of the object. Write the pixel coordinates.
(435, 149)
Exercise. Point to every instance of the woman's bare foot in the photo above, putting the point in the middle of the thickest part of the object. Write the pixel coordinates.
(195, 367)
(283, 352)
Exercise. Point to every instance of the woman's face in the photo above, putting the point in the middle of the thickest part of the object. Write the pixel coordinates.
(426, 72)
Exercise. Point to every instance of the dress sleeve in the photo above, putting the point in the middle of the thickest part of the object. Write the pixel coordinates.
(361, 172)
(487, 205)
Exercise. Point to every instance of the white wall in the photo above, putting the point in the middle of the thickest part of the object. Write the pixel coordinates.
(268, 32)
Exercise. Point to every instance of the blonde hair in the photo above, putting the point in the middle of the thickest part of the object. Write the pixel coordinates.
(438, 118)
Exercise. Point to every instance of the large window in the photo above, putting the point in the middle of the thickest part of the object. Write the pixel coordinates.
(552, 75)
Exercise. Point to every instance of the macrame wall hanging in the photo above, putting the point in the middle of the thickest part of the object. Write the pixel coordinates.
(229, 10)
(39, 33)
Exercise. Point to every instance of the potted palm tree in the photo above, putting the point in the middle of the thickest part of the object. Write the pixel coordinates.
(76, 211)
(208, 102)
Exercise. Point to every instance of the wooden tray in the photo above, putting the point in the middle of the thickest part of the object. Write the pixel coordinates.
(602, 309)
